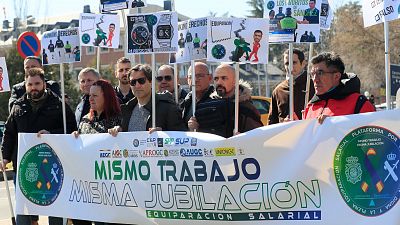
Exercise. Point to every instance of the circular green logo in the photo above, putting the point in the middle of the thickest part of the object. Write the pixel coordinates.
(218, 51)
(367, 173)
(270, 5)
(85, 38)
(40, 175)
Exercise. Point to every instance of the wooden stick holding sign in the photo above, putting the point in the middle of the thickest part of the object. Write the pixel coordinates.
(153, 90)
(237, 71)
(290, 69)
(310, 54)
(8, 192)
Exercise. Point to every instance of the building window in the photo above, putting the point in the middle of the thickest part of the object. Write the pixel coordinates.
(104, 50)
(119, 49)
(90, 50)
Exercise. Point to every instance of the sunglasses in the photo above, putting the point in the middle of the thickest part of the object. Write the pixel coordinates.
(140, 81)
(166, 78)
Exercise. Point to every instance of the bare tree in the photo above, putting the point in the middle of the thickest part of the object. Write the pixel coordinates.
(20, 7)
(361, 48)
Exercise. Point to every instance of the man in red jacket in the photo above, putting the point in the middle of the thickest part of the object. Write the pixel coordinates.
(336, 93)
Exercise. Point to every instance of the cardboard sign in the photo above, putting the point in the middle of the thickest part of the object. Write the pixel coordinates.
(100, 30)
(4, 81)
(192, 41)
(379, 11)
(137, 4)
(61, 46)
(151, 33)
(237, 40)
(112, 5)
(326, 14)
(293, 21)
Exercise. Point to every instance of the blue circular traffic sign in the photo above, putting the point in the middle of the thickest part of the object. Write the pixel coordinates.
(28, 44)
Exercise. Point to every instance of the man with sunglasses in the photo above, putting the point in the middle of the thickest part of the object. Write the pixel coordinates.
(279, 108)
(336, 93)
(123, 90)
(137, 113)
(165, 82)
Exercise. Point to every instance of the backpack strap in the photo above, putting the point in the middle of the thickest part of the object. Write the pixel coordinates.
(359, 104)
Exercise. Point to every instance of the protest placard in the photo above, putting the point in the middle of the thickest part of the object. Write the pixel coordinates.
(101, 30)
(4, 81)
(152, 33)
(293, 21)
(237, 40)
(61, 46)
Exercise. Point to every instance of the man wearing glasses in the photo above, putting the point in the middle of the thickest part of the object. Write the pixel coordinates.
(336, 93)
(165, 82)
(136, 114)
(279, 108)
(204, 90)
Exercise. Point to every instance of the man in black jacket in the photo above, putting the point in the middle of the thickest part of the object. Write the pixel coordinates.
(19, 89)
(39, 111)
(137, 113)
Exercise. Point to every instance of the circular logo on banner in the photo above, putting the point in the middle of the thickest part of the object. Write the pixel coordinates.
(85, 38)
(40, 175)
(218, 51)
(366, 167)
(270, 5)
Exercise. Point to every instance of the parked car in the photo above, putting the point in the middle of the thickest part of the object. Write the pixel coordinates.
(262, 104)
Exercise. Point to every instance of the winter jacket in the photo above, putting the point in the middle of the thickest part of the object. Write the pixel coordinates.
(279, 108)
(19, 89)
(340, 101)
(98, 125)
(186, 105)
(23, 120)
(216, 115)
(168, 116)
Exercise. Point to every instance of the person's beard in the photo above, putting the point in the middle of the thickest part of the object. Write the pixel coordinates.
(35, 95)
(124, 80)
(221, 90)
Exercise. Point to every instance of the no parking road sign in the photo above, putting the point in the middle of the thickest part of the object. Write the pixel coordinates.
(28, 44)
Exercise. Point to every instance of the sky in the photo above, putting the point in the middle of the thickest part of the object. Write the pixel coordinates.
(191, 8)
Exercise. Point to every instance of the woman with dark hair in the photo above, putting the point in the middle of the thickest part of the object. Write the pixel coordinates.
(104, 114)
(105, 111)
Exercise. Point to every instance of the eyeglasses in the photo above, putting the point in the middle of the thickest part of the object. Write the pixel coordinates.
(166, 78)
(140, 81)
(198, 76)
(320, 73)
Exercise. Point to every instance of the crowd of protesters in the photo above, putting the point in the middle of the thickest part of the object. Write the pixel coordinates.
(35, 105)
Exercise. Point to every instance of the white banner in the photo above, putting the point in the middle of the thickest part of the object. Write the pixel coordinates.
(237, 40)
(152, 33)
(379, 11)
(100, 30)
(342, 172)
(61, 46)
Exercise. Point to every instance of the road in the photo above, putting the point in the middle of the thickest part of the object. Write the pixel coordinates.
(5, 214)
